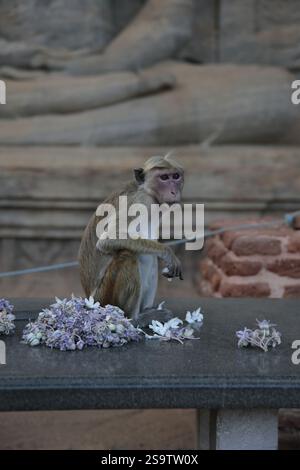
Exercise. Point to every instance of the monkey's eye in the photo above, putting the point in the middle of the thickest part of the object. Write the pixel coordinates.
(164, 177)
(176, 176)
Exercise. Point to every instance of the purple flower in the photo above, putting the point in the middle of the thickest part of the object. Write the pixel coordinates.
(264, 337)
(244, 337)
(75, 323)
(7, 317)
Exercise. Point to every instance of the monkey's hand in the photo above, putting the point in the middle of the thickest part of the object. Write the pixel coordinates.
(172, 265)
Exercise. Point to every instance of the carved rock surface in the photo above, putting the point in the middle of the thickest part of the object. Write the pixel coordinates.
(224, 103)
(71, 24)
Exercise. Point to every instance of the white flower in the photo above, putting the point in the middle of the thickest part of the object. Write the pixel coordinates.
(91, 304)
(173, 323)
(34, 342)
(112, 327)
(11, 317)
(158, 327)
(195, 316)
(30, 336)
(244, 337)
(263, 337)
(120, 329)
(188, 332)
(163, 329)
(60, 301)
(265, 325)
(276, 337)
(161, 305)
(174, 329)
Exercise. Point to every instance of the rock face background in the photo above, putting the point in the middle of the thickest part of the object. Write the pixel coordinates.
(263, 31)
(94, 88)
(58, 24)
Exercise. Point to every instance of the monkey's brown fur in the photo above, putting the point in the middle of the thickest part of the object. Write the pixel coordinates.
(109, 269)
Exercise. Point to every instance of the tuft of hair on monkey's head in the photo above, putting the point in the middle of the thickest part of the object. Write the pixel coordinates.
(167, 162)
(158, 161)
(162, 177)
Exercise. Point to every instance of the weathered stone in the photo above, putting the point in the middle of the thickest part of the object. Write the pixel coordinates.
(294, 243)
(185, 114)
(210, 273)
(216, 251)
(58, 23)
(256, 245)
(292, 291)
(235, 267)
(289, 267)
(263, 31)
(254, 289)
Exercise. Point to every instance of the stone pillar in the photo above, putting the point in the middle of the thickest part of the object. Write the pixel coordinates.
(253, 429)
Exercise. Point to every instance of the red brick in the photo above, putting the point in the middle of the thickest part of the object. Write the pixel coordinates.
(205, 267)
(229, 237)
(255, 289)
(296, 224)
(216, 250)
(210, 272)
(235, 267)
(294, 243)
(205, 289)
(256, 245)
(289, 267)
(292, 292)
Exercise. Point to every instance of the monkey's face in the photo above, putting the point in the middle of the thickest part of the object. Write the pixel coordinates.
(167, 185)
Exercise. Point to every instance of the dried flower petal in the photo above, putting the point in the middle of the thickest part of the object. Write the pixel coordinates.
(244, 337)
(195, 316)
(75, 323)
(7, 317)
(264, 337)
(161, 305)
(175, 329)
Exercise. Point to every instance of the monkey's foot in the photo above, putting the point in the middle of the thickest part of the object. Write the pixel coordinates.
(147, 316)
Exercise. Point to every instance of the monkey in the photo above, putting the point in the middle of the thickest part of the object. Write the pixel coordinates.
(124, 272)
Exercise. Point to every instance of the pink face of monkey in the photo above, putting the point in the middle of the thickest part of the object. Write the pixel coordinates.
(167, 185)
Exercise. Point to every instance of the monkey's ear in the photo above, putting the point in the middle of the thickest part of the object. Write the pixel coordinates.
(139, 175)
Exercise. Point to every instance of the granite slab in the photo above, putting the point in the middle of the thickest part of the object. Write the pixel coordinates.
(210, 373)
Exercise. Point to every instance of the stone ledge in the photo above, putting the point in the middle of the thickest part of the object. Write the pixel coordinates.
(209, 373)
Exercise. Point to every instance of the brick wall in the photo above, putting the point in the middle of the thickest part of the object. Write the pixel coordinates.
(251, 263)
